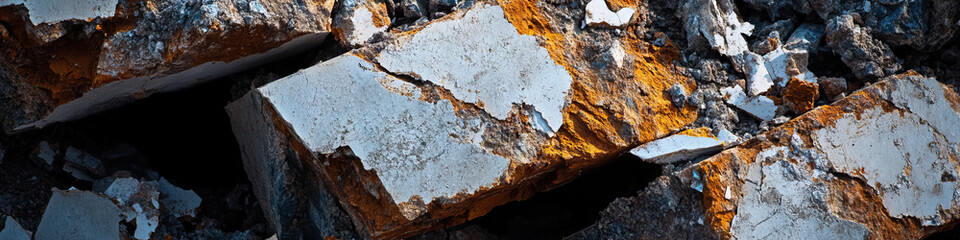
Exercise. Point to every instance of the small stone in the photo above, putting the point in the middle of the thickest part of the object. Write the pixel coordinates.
(44, 154)
(13, 231)
(807, 36)
(412, 9)
(78, 214)
(599, 15)
(678, 95)
(833, 87)
(682, 146)
(800, 96)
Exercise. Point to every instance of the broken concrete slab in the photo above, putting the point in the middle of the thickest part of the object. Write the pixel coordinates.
(177, 201)
(13, 231)
(310, 148)
(78, 214)
(358, 21)
(880, 163)
(682, 146)
(124, 51)
(598, 14)
(760, 107)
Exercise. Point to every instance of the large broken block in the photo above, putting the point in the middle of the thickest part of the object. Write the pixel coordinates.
(439, 125)
(880, 164)
(67, 59)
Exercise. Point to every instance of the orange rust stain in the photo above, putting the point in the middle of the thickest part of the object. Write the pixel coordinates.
(852, 199)
(698, 132)
(717, 174)
(801, 95)
(379, 11)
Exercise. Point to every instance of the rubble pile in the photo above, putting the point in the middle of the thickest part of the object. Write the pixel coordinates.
(389, 119)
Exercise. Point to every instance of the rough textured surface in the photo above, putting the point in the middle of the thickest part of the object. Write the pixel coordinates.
(867, 57)
(71, 66)
(13, 231)
(359, 21)
(519, 108)
(878, 164)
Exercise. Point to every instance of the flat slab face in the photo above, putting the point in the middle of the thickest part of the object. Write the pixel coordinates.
(419, 149)
(77, 214)
(497, 67)
(877, 164)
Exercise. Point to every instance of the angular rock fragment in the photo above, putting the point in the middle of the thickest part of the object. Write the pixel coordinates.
(69, 62)
(867, 57)
(138, 203)
(800, 95)
(598, 14)
(760, 107)
(78, 214)
(472, 111)
(833, 87)
(44, 154)
(357, 21)
(82, 165)
(878, 164)
(177, 201)
(682, 146)
(13, 231)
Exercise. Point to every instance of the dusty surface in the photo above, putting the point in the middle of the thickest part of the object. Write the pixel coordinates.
(819, 176)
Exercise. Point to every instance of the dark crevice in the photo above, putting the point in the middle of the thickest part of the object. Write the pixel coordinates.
(572, 207)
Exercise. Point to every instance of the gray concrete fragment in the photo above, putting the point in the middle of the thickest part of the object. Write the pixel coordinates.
(177, 201)
(82, 165)
(44, 154)
(138, 202)
(78, 214)
(13, 231)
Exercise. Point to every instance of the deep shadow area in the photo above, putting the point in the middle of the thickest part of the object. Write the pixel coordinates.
(565, 210)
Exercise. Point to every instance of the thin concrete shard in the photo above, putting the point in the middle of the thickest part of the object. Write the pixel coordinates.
(879, 164)
(13, 231)
(82, 165)
(682, 146)
(109, 54)
(473, 110)
(760, 107)
(78, 214)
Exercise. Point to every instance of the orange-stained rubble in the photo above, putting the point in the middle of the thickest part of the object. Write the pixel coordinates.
(878, 164)
(385, 172)
(66, 69)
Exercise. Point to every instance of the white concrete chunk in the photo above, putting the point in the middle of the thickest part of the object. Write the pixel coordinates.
(598, 14)
(418, 149)
(677, 147)
(137, 201)
(498, 67)
(760, 107)
(78, 214)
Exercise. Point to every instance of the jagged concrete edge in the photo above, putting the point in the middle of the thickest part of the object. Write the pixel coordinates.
(126, 91)
(264, 157)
